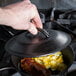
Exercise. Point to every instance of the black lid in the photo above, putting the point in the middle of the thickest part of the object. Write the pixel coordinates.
(28, 45)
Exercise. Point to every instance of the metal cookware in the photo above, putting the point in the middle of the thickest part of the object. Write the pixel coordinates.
(68, 57)
(44, 43)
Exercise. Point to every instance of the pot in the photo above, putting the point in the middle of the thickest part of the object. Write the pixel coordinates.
(68, 57)
(72, 70)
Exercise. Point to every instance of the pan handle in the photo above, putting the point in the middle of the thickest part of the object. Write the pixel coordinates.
(7, 68)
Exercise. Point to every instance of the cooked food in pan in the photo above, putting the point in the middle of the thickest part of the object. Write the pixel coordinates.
(33, 68)
(44, 65)
(54, 61)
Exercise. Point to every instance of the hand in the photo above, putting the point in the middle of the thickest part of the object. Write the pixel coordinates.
(23, 16)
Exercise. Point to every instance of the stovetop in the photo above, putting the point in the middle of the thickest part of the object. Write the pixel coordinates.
(65, 18)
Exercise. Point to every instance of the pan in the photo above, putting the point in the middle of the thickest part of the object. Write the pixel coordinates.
(68, 57)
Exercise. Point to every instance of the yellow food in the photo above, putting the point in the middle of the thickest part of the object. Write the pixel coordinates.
(54, 61)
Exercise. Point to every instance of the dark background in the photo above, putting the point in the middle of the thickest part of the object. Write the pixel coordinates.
(45, 4)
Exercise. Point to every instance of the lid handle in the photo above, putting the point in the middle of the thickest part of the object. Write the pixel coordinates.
(43, 31)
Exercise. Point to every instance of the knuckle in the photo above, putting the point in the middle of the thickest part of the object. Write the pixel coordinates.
(33, 6)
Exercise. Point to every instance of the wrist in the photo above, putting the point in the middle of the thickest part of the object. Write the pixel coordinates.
(5, 16)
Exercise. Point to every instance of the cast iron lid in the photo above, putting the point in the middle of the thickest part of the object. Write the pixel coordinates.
(28, 45)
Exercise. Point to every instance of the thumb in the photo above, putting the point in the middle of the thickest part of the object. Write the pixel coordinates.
(32, 29)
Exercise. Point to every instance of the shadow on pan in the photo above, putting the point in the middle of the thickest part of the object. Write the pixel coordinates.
(72, 73)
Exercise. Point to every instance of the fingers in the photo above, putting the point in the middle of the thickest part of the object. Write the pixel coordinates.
(37, 21)
(32, 29)
(35, 17)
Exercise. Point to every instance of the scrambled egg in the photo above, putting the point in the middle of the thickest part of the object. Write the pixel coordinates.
(54, 61)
